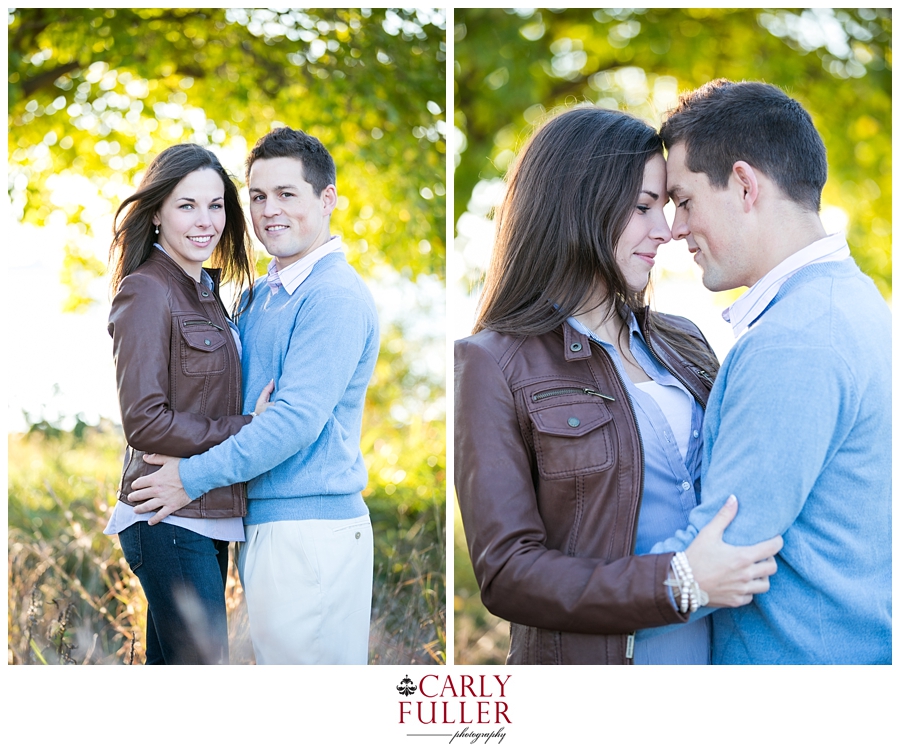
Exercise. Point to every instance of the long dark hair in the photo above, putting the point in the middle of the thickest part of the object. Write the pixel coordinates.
(570, 194)
(133, 238)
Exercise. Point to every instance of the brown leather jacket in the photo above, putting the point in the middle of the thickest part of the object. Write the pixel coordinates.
(178, 375)
(549, 477)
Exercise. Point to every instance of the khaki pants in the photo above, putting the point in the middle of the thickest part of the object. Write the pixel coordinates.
(308, 586)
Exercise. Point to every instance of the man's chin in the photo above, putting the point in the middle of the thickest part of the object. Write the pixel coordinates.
(712, 283)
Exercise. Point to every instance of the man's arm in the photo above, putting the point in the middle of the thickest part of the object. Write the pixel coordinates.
(768, 437)
(329, 338)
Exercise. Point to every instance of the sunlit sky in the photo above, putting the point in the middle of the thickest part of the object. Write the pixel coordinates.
(60, 365)
(677, 286)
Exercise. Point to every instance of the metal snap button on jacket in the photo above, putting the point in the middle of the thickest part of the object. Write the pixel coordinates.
(573, 422)
(575, 347)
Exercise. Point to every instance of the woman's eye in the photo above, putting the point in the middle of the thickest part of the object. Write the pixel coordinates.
(215, 206)
(186, 206)
(643, 209)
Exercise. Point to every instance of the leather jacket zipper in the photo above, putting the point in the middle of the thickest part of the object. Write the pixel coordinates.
(206, 322)
(700, 372)
(704, 375)
(230, 344)
(630, 638)
(538, 396)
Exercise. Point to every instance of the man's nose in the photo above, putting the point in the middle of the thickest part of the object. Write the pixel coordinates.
(680, 227)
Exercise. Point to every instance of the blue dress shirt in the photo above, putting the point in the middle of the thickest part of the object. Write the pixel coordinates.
(671, 491)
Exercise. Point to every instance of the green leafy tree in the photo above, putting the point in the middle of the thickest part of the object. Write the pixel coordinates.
(94, 94)
(513, 66)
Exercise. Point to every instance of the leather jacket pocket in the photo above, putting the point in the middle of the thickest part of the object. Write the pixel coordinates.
(202, 347)
(572, 437)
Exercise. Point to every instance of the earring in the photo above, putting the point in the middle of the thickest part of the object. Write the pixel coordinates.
(157, 229)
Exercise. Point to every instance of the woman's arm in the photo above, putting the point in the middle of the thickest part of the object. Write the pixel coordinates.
(520, 578)
(140, 323)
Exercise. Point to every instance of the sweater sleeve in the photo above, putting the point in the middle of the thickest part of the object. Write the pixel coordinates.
(326, 343)
(140, 323)
(521, 579)
(776, 423)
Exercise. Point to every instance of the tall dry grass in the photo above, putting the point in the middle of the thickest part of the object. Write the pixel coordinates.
(479, 636)
(72, 599)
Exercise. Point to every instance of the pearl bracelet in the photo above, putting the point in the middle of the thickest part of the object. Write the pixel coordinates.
(692, 597)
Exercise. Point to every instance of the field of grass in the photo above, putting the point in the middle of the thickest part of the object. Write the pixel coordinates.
(480, 637)
(72, 599)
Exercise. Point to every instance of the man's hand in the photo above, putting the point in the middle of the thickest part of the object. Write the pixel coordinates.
(731, 575)
(161, 491)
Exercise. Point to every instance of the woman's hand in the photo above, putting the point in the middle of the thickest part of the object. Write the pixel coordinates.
(731, 574)
(262, 402)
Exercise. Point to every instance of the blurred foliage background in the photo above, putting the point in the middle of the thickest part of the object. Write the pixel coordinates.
(512, 67)
(94, 94)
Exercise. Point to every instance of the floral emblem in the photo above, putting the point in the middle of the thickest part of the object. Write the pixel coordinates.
(406, 686)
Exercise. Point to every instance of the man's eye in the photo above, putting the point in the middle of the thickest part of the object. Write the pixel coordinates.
(682, 204)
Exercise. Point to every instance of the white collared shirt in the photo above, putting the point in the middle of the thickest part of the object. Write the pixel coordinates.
(294, 274)
(746, 309)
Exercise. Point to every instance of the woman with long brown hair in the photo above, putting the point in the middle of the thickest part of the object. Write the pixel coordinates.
(578, 412)
(178, 374)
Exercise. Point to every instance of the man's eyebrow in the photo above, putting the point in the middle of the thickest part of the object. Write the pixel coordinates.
(674, 190)
(277, 188)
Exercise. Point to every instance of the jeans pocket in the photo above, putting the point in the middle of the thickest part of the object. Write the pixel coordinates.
(130, 541)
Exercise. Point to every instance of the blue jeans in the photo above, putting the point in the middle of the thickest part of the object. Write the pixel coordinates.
(183, 576)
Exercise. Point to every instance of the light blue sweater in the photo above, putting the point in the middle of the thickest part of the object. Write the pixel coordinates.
(302, 454)
(798, 426)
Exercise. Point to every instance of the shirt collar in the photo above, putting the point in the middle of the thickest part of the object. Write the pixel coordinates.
(632, 323)
(205, 278)
(750, 306)
(293, 275)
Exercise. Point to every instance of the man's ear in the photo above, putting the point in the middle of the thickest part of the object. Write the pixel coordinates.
(329, 199)
(747, 179)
